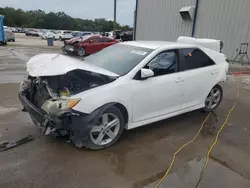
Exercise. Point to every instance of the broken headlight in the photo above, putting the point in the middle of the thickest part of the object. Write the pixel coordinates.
(57, 107)
(65, 104)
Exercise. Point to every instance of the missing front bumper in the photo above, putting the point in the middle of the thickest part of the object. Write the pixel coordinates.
(74, 124)
(41, 117)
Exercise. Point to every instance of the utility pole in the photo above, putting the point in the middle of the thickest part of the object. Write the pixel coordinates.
(114, 23)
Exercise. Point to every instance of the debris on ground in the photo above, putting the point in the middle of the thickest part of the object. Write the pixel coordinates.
(8, 145)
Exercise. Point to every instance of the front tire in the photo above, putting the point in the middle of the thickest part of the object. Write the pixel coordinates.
(213, 99)
(81, 52)
(108, 129)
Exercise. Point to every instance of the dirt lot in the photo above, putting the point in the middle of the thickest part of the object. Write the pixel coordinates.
(142, 155)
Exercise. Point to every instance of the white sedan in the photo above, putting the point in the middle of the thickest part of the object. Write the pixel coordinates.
(64, 35)
(124, 86)
(50, 34)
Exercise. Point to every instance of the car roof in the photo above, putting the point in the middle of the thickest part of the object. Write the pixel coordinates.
(158, 44)
(98, 36)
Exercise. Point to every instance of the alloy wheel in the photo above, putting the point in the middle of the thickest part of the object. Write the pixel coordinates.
(81, 52)
(106, 129)
(213, 98)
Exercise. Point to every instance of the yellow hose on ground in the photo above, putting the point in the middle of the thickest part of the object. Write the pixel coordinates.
(210, 148)
(217, 135)
(181, 148)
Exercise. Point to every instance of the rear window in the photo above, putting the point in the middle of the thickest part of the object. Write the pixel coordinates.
(119, 58)
(87, 33)
(195, 58)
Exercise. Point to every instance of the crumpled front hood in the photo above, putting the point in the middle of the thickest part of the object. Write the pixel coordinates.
(58, 64)
(73, 40)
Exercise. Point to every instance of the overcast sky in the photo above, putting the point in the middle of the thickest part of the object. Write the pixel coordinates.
(89, 9)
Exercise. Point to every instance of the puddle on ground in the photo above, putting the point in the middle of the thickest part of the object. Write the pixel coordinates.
(188, 176)
(210, 125)
(246, 83)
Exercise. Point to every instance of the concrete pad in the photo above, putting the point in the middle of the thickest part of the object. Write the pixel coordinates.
(215, 175)
(141, 156)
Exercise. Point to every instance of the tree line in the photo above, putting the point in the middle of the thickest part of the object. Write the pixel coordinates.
(59, 20)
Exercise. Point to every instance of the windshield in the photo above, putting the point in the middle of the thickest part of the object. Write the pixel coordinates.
(75, 34)
(119, 58)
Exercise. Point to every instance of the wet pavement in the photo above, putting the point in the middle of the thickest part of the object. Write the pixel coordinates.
(141, 156)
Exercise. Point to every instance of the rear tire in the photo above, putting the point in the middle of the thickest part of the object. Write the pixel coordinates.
(213, 99)
(108, 136)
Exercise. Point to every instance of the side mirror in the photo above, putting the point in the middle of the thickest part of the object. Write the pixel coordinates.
(146, 73)
(90, 41)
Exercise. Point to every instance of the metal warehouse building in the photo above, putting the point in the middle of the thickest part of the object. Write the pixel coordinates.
(226, 20)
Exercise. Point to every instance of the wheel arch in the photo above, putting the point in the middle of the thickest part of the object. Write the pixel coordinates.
(218, 84)
(118, 105)
(221, 89)
(123, 110)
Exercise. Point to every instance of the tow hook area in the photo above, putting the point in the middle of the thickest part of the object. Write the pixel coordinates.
(8, 145)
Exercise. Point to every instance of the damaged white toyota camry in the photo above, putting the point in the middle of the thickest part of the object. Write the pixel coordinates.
(124, 86)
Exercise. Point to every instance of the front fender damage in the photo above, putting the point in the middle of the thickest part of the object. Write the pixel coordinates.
(49, 100)
(74, 124)
(82, 125)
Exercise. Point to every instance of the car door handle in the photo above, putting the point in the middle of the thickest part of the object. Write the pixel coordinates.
(178, 80)
(214, 72)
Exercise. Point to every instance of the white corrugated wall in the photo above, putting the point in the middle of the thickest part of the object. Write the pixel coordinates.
(160, 20)
(227, 20)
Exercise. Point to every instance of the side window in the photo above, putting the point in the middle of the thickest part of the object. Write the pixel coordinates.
(102, 40)
(107, 40)
(196, 58)
(164, 63)
(94, 40)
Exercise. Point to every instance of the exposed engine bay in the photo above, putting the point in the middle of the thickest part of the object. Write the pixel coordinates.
(41, 89)
(47, 100)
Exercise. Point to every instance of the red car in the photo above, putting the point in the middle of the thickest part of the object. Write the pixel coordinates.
(86, 45)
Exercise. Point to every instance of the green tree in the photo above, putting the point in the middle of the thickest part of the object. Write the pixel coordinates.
(59, 20)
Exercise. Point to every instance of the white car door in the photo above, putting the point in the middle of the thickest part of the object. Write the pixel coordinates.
(161, 94)
(199, 77)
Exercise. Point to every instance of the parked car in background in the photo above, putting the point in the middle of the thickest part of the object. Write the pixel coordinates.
(111, 34)
(20, 30)
(14, 30)
(81, 34)
(124, 86)
(64, 35)
(32, 33)
(126, 36)
(41, 33)
(50, 34)
(86, 45)
(9, 35)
